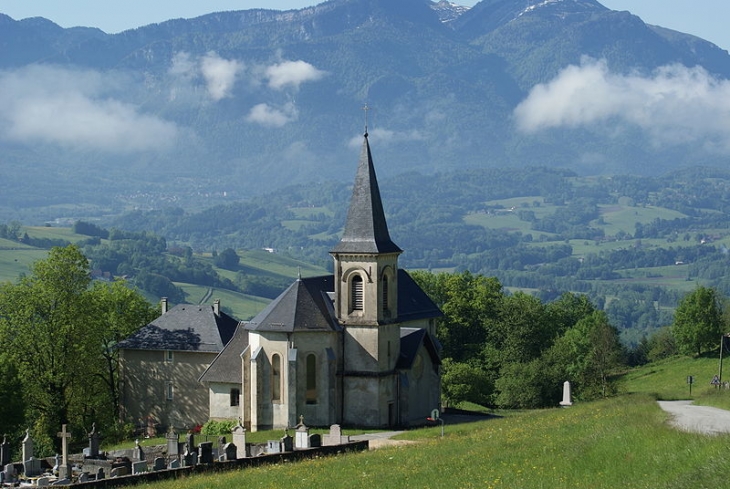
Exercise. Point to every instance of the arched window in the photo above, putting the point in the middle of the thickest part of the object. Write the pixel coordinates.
(276, 377)
(385, 292)
(311, 393)
(357, 293)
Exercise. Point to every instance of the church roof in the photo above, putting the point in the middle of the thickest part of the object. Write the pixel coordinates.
(366, 230)
(185, 327)
(411, 340)
(413, 302)
(304, 306)
(226, 367)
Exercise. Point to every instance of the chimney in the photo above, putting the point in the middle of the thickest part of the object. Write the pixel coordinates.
(217, 307)
(163, 305)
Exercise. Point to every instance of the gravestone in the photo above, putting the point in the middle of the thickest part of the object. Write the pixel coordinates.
(273, 446)
(119, 471)
(239, 439)
(159, 464)
(62, 482)
(63, 469)
(230, 452)
(335, 436)
(43, 481)
(566, 395)
(9, 474)
(138, 453)
(302, 437)
(94, 441)
(175, 464)
(32, 467)
(99, 474)
(27, 446)
(315, 440)
(221, 444)
(190, 457)
(4, 452)
(287, 443)
(83, 477)
(139, 467)
(190, 440)
(205, 452)
(173, 443)
(121, 463)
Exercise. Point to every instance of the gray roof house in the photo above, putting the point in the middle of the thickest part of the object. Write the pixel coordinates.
(160, 365)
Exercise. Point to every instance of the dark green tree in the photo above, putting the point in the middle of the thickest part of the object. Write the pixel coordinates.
(698, 322)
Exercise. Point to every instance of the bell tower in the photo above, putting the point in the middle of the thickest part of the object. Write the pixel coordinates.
(366, 302)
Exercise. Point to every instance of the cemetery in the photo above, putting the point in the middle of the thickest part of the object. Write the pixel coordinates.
(178, 458)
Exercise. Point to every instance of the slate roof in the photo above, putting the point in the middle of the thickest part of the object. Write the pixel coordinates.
(185, 327)
(410, 340)
(304, 306)
(413, 302)
(366, 230)
(227, 367)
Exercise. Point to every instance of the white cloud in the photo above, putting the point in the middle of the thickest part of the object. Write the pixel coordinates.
(291, 74)
(387, 136)
(76, 108)
(267, 115)
(675, 104)
(219, 74)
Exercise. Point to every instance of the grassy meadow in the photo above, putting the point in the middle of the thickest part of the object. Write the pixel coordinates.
(625, 441)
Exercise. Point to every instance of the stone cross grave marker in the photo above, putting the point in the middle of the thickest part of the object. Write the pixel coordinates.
(27, 446)
(64, 436)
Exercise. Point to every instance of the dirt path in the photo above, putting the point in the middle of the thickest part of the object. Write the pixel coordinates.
(697, 419)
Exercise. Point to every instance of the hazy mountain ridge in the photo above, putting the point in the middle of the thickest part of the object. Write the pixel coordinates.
(228, 103)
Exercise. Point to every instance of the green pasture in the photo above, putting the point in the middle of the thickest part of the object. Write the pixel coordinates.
(14, 262)
(53, 233)
(243, 306)
(624, 218)
(273, 263)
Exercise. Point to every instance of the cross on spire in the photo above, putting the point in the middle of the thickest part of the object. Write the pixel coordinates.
(367, 109)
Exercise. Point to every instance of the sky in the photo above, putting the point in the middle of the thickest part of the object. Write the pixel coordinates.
(703, 18)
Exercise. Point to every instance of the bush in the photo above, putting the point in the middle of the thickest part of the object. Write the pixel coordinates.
(218, 428)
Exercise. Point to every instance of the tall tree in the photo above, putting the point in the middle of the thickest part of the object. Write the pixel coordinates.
(698, 322)
(56, 328)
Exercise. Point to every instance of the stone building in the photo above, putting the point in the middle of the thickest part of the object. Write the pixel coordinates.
(357, 347)
(161, 363)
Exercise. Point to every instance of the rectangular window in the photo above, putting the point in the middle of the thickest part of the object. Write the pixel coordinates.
(276, 377)
(169, 356)
(235, 397)
(169, 391)
(357, 293)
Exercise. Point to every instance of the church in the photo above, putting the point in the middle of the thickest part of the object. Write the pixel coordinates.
(356, 348)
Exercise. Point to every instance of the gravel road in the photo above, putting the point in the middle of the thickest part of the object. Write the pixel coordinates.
(697, 419)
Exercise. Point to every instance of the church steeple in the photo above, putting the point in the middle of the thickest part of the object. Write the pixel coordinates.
(366, 230)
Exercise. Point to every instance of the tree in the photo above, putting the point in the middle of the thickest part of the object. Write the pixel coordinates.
(462, 382)
(587, 354)
(470, 305)
(118, 311)
(698, 322)
(56, 327)
(227, 259)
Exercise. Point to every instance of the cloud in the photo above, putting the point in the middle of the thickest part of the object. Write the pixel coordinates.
(387, 136)
(291, 74)
(675, 104)
(269, 116)
(76, 108)
(219, 74)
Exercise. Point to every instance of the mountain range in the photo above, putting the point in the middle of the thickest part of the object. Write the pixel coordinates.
(195, 112)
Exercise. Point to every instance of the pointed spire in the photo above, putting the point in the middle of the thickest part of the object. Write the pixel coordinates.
(366, 230)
